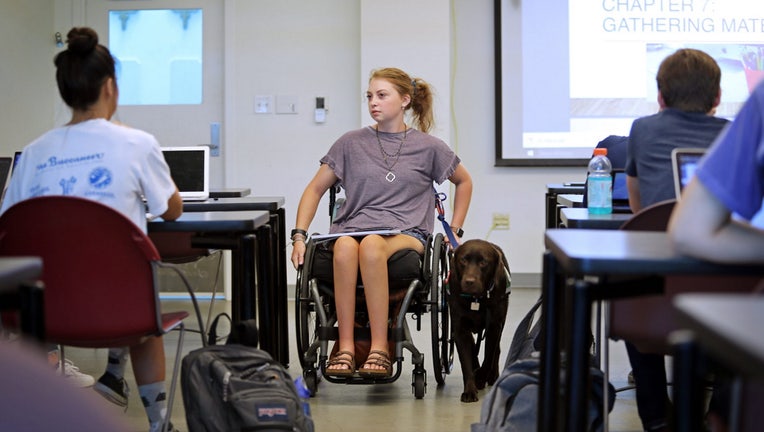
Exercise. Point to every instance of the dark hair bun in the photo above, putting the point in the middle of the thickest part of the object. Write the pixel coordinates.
(82, 40)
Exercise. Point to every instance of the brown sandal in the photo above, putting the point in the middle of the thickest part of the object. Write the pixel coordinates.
(343, 358)
(377, 358)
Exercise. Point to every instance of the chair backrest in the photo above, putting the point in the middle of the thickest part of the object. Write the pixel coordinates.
(98, 269)
(651, 218)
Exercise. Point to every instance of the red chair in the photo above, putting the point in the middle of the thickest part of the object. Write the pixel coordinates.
(99, 271)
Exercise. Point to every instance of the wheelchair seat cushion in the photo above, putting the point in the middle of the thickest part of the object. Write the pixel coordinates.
(403, 267)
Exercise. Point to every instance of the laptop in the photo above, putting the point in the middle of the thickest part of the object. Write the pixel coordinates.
(190, 169)
(683, 163)
(5, 171)
(16, 157)
(620, 192)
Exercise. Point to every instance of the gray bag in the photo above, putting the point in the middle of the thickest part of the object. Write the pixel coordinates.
(512, 402)
(240, 388)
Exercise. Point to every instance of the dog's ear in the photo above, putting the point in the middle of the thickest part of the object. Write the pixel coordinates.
(454, 277)
(502, 268)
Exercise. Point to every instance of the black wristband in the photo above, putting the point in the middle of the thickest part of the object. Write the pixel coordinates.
(458, 231)
(298, 231)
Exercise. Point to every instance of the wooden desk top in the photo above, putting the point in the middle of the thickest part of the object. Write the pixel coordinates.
(230, 192)
(729, 326)
(213, 221)
(565, 188)
(570, 200)
(600, 252)
(269, 203)
(15, 270)
(580, 218)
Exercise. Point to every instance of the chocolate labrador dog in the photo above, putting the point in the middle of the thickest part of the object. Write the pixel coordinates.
(478, 301)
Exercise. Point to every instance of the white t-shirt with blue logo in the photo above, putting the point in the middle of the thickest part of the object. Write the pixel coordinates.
(96, 159)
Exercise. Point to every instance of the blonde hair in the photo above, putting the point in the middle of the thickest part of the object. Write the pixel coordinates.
(417, 89)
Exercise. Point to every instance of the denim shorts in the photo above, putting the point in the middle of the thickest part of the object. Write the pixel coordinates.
(417, 234)
(413, 232)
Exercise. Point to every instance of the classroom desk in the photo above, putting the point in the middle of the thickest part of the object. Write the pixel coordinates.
(230, 192)
(274, 205)
(728, 328)
(18, 291)
(550, 199)
(570, 200)
(249, 237)
(580, 218)
(572, 254)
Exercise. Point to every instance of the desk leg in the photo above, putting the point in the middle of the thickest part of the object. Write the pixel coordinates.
(550, 207)
(32, 306)
(687, 389)
(548, 409)
(268, 315)
(281, 304)
(577, 376)
(243, 279)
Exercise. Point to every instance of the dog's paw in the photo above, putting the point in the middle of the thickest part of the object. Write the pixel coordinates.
(470, 392)
(469, 397)
(480, 378)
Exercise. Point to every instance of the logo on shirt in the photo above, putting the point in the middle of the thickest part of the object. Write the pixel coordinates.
(67, 185)
(100, 178)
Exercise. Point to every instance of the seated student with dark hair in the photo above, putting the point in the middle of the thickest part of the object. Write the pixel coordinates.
(688, 93)
(130, 166)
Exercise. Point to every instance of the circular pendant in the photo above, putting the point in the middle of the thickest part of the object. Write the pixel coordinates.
(390, 176)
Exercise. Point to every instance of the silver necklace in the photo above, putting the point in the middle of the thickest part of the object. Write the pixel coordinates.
(390, 177)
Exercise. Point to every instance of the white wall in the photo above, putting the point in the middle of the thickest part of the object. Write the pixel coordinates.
(323, 48)
(27, 80)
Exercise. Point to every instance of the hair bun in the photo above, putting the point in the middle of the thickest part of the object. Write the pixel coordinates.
(82, 40)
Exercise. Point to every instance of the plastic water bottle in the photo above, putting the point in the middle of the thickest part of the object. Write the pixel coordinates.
(304, 393)
(599, 183)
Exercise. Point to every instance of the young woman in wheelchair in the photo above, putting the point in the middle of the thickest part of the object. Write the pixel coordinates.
(387, 170)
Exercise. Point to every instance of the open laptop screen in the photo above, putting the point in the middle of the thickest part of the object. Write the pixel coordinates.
(189, 168)
(684, 161)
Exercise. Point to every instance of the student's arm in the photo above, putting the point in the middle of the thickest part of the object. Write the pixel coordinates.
(462, 195)
(174, 207)
(306, 209)
(632, 185)
(701, 226)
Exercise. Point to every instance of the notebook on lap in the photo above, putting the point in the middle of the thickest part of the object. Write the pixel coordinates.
(190, 169)
(683, 163)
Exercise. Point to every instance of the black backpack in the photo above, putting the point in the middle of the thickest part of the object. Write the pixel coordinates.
(235, 387)
(512, 402)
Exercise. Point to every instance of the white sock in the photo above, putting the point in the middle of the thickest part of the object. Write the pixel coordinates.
(117, 361)
(154, 398)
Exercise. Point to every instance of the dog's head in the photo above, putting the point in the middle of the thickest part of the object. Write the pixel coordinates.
(478, 267)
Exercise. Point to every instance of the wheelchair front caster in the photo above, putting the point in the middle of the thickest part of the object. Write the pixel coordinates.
(419, 382)
(310, 377)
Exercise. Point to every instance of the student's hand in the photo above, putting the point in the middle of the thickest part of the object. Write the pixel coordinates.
(298, 253)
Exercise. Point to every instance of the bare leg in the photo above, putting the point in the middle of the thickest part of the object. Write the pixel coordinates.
(345, 277)
(148, 361)
(373, 255)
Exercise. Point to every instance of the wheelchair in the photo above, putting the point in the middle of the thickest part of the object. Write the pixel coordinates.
(417, 284)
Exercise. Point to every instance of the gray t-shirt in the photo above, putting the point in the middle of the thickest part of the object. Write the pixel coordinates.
(651, 141)
(373, 202)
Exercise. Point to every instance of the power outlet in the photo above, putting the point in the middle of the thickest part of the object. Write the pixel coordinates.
(501, 221)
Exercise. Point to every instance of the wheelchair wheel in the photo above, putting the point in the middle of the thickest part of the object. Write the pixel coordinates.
(306, 321)
(442, 343)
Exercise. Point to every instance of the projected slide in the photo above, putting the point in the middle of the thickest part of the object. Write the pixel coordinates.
(587, 67)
